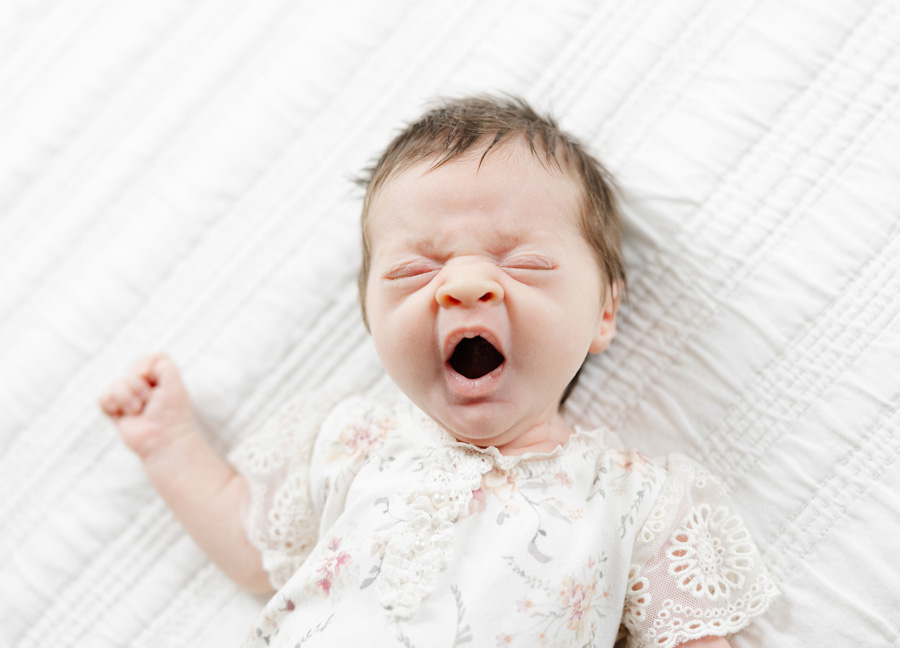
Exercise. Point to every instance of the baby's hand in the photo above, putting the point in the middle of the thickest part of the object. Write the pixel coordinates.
(150, 405)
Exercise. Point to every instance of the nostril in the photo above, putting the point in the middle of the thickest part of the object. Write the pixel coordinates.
(467, 292)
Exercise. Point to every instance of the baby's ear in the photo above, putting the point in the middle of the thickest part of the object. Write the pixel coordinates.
(606, 327)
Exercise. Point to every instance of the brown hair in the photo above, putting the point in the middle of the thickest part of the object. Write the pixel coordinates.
(454, 126)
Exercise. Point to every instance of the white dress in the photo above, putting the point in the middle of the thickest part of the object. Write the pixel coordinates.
(379, 529)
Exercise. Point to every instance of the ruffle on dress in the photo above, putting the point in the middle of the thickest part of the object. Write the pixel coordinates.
(695, 570)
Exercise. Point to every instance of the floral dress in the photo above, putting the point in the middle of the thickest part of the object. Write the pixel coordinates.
(380, 529)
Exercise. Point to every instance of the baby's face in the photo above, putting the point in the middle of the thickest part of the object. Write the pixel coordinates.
(483, 297)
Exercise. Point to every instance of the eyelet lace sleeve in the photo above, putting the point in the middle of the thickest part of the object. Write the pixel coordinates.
(281, 520)
(695, 571)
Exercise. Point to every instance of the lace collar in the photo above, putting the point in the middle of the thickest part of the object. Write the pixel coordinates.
(581, 440)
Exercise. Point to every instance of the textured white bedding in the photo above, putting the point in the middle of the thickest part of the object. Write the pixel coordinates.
(174, 175)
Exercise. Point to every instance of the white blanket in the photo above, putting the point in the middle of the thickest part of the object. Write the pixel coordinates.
(174, 176)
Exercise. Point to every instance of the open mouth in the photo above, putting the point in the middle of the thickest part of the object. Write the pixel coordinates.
(475, 357)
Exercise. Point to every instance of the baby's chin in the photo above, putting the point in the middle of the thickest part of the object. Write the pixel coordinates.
(496, 425)
(482, 424)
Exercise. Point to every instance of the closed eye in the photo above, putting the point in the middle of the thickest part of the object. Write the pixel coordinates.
(412, 269)
(528, 263)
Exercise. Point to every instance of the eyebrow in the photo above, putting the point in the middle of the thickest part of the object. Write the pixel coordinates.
(434, 246)
(426, 246)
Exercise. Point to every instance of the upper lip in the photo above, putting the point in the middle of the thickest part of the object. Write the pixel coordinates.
(456, 335)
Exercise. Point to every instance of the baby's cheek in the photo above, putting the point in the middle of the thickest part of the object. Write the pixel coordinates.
(562, 350)
(401, 344)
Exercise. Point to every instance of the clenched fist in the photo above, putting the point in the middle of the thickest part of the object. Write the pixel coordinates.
(150, 405)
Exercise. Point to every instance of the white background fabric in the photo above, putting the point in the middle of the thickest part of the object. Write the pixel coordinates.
(173, 175)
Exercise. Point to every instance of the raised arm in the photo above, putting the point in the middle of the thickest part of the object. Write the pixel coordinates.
(152, 410)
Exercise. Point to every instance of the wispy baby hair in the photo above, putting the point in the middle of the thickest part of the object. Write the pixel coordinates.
(454, 126)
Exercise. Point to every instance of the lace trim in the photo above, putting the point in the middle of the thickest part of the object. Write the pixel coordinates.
(580, 439)
(676, 623)
(710, 553)
(704, 575)
(637, 597)
(423, 548)
(281, 520)
(418, 552)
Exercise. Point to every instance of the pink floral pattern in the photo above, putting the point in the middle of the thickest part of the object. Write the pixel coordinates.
(395, 511)
(332, 568)
(577, 600)
(358, 438)
(561, 616)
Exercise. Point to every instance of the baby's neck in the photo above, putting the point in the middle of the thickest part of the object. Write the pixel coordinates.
(539, 439)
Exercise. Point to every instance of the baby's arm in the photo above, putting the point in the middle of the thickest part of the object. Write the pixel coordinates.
(153, 412)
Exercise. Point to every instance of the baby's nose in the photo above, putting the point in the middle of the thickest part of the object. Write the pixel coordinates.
(469, 285)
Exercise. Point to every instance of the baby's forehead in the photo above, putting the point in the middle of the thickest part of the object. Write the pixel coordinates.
(480, 163)
(507, 196)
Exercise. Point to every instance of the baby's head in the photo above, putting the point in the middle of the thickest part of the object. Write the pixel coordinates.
(456, 126)
(491, 267)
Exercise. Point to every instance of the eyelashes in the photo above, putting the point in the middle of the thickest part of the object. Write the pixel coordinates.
(411, 270)
(421, 268)
(527, 263)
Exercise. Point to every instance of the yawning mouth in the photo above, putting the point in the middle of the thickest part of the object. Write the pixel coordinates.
(475, 357)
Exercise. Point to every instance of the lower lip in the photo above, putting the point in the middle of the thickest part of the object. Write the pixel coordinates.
(473, 388)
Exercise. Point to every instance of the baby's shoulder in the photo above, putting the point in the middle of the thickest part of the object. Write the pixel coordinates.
(611, 453)
(675, 471)
(627, 475)
(358, 422)
(611, 457)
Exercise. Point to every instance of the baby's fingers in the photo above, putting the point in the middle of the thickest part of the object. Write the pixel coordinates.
(126, 397)
(110, 405)
(138, 392)
(148, 368)
(120, 401)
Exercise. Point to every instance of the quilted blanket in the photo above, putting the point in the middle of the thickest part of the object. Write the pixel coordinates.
(175, 175)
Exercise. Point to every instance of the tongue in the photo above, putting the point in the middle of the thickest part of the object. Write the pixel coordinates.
(475, 357)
